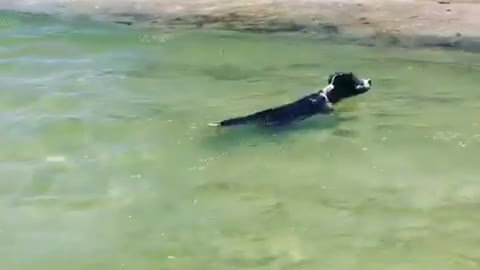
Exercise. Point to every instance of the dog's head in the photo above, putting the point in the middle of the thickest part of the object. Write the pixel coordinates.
(342, 85)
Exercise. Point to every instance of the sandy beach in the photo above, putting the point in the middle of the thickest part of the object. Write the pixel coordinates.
(446, 24)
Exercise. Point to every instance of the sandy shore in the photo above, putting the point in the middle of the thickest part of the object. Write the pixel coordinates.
(447, 24)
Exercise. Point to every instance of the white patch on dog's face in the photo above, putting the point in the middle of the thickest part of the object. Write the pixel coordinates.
(366, 84)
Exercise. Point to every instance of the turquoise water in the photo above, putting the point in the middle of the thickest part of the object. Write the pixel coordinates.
(107, 162)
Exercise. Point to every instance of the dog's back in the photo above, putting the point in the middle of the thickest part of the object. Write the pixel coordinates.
(299, 109)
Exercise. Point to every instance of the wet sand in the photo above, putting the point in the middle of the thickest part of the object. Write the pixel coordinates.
(446, 24)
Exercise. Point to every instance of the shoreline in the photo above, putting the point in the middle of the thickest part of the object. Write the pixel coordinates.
(403, 23)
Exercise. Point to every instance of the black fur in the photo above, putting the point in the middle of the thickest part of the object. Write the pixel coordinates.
(343, 85)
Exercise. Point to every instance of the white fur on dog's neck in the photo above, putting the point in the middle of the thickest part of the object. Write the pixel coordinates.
(328, 88)
(325, 90)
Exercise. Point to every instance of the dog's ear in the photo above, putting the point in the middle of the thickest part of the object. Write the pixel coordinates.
(331, 76)
(336, 74)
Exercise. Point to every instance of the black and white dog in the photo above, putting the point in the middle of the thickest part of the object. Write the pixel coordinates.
(341, 85)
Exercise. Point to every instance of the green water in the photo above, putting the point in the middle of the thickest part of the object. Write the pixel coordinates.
(106, 161)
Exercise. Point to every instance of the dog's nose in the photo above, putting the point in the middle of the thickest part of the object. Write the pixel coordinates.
(369, 82)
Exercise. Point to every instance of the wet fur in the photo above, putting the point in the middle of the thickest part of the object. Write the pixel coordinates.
(340, 86)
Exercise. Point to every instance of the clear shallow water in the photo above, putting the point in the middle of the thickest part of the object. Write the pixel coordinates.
(107, 163)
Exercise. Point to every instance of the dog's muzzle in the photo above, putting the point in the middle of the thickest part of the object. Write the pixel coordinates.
(365, 85)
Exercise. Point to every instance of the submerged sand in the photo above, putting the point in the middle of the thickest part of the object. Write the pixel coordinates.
(448, 24)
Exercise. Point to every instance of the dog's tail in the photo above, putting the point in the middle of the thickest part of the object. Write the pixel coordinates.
(242, 120)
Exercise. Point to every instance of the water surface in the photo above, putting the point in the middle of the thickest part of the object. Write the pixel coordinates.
(106, 161)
